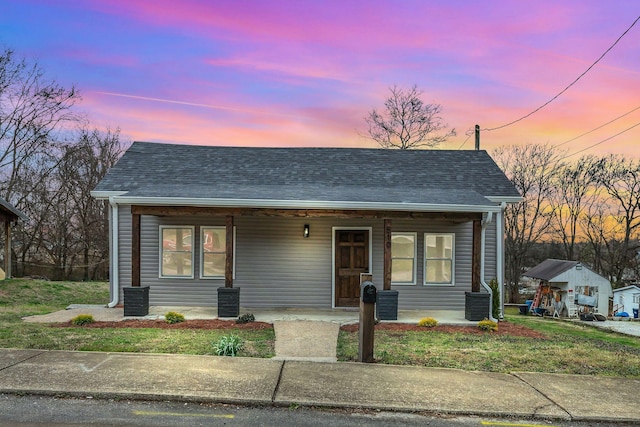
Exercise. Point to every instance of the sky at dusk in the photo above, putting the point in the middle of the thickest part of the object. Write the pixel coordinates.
(305, 73)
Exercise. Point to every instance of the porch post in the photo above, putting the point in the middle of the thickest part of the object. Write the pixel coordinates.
(228, 266)
(135, 250)
(475, 256)
(387, 255)
(7, 249)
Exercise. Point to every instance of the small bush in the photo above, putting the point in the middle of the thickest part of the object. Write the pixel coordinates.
(82, 319)
(246, 318)
(488, 325)
(428, 322)
(228, 345)
(173, 317)
(495, 301)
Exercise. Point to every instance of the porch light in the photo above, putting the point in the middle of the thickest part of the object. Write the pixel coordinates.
(305, 233)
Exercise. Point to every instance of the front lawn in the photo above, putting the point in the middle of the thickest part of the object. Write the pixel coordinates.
(541, 345)
(24, 297)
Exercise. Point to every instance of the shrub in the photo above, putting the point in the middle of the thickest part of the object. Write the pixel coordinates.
(495, 300)
(246, 318)
(82, 319)
(428, 322)
(174, 317)
(228, 345)
(488, 325)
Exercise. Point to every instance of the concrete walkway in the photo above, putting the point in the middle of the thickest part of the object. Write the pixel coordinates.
(338, 385)
(306, 340)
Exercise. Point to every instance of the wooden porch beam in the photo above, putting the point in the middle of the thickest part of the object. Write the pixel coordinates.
(476, 256)
(7, 250)
(302, 213)
(135, 250)
(387, 255)
(228, 264)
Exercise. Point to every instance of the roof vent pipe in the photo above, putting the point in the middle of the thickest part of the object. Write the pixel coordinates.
(477, 137)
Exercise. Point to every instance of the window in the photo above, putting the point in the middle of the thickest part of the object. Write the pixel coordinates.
(636, 298)
(213, 243)
(403, 258)
(438, 266)
(176, 252)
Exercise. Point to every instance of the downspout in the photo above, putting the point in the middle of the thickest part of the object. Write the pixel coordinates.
(113, 255)
(500, 255)
(483, 240)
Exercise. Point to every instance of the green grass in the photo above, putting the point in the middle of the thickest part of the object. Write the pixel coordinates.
(22, 297)
(567, 347)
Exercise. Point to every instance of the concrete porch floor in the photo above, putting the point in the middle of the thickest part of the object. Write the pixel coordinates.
(341, 316)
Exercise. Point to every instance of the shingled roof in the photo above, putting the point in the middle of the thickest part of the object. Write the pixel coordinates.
(307, 177)
(550, 268)
(10, 211)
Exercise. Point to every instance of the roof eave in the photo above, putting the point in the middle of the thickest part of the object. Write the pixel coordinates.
(505, 199)
(105, 195)
(301, 204)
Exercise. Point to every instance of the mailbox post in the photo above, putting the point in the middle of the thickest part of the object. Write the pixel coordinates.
(368, 293)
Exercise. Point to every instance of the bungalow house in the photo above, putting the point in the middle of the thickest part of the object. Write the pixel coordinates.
(8, 214)
(295, 227)
(626, 300)
(569, 288)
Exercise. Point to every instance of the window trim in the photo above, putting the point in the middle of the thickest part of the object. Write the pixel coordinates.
(161, 250)
(453, 261)
(201, 250)
(415, 257)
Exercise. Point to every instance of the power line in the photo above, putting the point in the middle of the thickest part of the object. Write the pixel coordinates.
(570, 84)
(599, 127)
(469, 133)
(601, 142)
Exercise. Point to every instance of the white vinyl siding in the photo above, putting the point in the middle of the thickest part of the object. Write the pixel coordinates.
(403, 258)
(176, 251)
(438, 265)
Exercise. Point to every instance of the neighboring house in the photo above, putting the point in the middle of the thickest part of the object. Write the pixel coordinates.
(566, 287)
(626, 299)
(295, 227)
(8, 214)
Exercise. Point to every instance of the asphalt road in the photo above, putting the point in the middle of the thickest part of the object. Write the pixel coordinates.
(32, 411)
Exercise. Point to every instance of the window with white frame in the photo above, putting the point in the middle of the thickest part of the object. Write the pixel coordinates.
(176, 251)
(636, 298)
(403, 258)
(438, 266)
(213, 251)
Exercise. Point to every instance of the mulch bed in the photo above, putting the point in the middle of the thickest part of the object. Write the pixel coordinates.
(161, 324)
(504, 328)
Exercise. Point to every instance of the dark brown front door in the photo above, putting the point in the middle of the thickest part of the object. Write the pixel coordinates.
(352, 258)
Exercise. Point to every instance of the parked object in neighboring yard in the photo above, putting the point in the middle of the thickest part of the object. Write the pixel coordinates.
(569, 289)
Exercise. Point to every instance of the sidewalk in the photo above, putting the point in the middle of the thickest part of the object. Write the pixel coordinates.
(339, 385)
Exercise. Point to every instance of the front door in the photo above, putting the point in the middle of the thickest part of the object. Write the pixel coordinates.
(352, 258)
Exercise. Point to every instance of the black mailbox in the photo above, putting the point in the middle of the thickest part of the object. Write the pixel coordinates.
(368, 292)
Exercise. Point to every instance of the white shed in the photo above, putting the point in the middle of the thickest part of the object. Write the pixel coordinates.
(569, 285)
(626, 299)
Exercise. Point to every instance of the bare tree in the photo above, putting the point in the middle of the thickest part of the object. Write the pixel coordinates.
(84, 165)
(620, 177)
(407, 122)
(531, 168)
(574, 190)
(32, 108)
